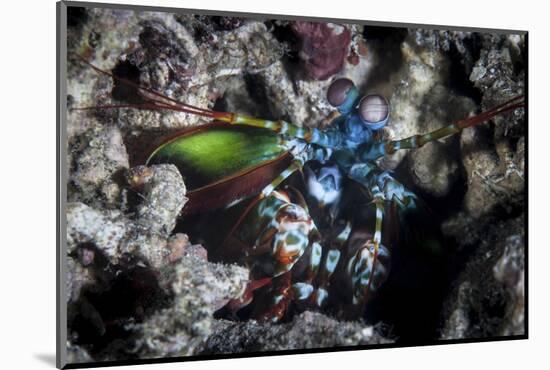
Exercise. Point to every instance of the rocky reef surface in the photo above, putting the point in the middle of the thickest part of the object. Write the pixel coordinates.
(137, 287)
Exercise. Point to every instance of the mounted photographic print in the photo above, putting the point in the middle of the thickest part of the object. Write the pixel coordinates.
(237, 184)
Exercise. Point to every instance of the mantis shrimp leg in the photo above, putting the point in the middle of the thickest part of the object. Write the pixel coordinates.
(271, 235)
(368, 266)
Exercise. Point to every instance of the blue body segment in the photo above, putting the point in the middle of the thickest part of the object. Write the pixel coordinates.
(351, 144)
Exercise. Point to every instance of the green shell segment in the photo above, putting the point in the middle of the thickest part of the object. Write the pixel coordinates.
(217, 152)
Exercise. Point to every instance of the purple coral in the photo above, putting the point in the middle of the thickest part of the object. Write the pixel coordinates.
(323, 47)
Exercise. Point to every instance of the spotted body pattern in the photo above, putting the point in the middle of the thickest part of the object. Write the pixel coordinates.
(243, 163)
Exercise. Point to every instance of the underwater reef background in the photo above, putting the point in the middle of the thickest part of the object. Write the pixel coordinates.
(138, 287)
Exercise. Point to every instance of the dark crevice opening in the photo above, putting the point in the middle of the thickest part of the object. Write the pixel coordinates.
(122, 91)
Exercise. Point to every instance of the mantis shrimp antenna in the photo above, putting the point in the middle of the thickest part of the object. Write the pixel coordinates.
(417, 141)
(155, 100)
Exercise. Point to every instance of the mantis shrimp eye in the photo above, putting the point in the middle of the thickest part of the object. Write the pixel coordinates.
(338, 90)
(374, 110)
(342, 94)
